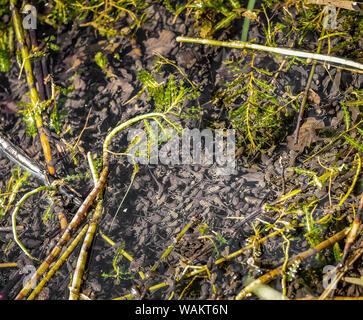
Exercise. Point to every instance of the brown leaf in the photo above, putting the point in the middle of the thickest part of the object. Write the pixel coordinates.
(7, 105)
(72, 62)
(313, 97)
(116, 84)
(162, 45)
(307, 134)
(79, 84)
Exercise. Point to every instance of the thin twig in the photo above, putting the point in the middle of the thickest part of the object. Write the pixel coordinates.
(353, 232)
(306, 92)
(281, 51)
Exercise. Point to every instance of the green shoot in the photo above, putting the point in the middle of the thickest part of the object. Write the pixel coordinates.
(7, 196)
(119, 272)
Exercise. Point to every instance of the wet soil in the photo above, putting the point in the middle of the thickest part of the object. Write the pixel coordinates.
(165, 199)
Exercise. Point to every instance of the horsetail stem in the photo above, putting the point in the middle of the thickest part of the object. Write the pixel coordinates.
(58, 264)
(34, 96)
(67, 233)
(81, 262)
(282, 51)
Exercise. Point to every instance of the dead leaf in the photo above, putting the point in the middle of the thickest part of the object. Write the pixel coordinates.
(74, 61)
(115, 84)
(334, 91)
(8, 104)
(355, 113)
(79, 84)
(307, 134)
(313, 97)
(162, 45)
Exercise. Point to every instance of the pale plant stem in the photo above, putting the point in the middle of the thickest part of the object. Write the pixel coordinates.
(92, 167)
(74, 289)
(281, 51)
(15, 212)
(123, 126)
(58, 264)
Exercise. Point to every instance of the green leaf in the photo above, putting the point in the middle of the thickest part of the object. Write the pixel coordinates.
(305, 172)
(346, 116)
(354, 143)
(4, 61)
(101, 60)
(147, 79)
(55, 120)
(337, 252)
(234, 114)
(289, 195)
(53, 46)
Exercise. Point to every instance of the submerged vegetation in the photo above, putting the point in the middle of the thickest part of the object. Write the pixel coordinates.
(293, 100)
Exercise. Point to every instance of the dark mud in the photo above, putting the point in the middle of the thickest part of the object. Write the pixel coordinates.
(164, 199)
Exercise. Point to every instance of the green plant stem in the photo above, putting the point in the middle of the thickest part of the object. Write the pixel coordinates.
(354, 231)
(282, 51)
(87, 242)
(78, 217)
(246, 22)
(15, 190)
(335, 139)
(15, 212)
(358, 160)
(123, 126)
